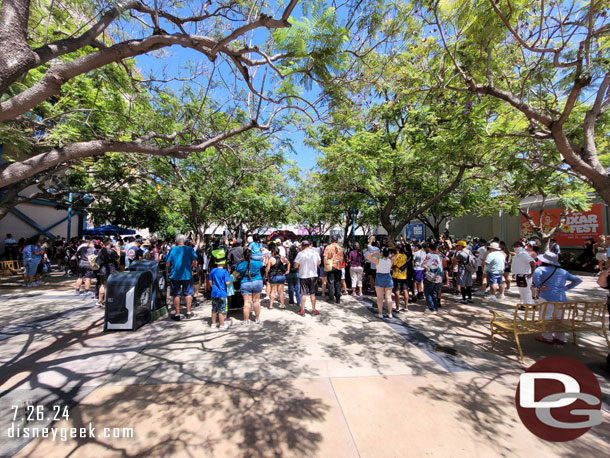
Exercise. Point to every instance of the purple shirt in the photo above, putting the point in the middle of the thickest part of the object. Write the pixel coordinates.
(355, 258)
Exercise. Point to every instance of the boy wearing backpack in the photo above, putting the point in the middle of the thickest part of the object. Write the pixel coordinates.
(465, 262)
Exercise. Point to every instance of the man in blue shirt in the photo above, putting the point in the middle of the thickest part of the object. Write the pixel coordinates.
(220, 279)
(180, 263)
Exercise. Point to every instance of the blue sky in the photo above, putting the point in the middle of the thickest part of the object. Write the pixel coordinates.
(305, 156)
(172, 65)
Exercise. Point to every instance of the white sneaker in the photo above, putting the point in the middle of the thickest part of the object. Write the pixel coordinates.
(213, 325)
(500, 296)
(258, 321)
(390, 316)
(245, 323)
(478, 293)
(224, 327)
(380, 316)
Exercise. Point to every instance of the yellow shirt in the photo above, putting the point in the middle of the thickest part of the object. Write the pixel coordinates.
(399, 261)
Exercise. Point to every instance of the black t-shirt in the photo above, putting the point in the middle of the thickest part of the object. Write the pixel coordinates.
(81, 255)
(139, 253)
(292, 255)
(109, 261)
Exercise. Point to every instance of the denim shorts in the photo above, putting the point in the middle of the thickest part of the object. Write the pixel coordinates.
(321, 272)
(277, 280)
(219, 305)
(251, 287)
(181, 288)
(384, 281)
(494, 279)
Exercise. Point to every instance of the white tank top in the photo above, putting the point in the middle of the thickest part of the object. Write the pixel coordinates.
(384, 266)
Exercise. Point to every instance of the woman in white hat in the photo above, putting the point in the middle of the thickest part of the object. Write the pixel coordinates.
(552, 283)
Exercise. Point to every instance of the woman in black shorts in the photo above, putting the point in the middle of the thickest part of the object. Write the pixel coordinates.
(399, 276)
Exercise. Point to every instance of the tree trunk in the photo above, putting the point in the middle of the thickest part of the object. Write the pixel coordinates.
(348, 224)
(584, 161)
(15, 54)
(393, 233)
(448, 221)
(434, 226)
(545, 237)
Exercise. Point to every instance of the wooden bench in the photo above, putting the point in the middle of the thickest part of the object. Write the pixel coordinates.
(9, 267)
(568, 317)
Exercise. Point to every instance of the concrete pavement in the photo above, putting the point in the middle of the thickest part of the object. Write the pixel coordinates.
(341, 384)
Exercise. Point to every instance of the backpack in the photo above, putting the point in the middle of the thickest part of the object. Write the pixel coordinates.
(471, 265)
(92, 259)
(327, 260)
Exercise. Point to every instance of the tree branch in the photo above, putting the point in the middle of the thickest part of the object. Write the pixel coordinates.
(262, 21)
(15, 171)
(60, 73)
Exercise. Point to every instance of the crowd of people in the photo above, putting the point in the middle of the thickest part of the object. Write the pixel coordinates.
(84, 258)
(242, 273)
(398, 273)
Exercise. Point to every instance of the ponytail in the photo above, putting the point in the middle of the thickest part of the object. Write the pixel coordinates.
(248, 257)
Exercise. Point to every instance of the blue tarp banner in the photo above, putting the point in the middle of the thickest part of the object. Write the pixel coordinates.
(108, 230)
(416, 231)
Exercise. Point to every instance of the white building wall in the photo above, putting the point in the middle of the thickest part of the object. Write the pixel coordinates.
(44, 216)
(507, 227)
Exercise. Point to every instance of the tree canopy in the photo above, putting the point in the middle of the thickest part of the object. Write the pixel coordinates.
(172, 115)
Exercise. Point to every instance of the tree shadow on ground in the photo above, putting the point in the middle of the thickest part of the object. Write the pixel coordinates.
(224, 378)
(492, 416)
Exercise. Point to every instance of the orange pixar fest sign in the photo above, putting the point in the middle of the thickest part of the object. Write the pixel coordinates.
(577, 227)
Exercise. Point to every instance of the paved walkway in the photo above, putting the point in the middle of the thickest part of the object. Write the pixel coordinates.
(341, 384)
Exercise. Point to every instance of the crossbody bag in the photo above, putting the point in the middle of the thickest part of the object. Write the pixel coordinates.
(545, 280)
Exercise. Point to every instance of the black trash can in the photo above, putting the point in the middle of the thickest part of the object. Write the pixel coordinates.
(128, 300)
(158, 270)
